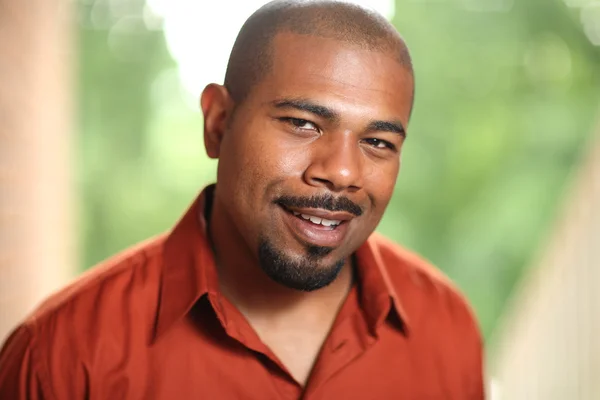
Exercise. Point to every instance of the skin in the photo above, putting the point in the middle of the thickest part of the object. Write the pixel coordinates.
(267, 150)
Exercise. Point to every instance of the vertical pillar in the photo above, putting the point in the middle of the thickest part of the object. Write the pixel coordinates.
(547, 346)
(36, 160)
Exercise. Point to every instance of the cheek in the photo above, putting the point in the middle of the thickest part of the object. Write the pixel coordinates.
(380, 183)
(257, 156)
(292, 159)
(275, 155)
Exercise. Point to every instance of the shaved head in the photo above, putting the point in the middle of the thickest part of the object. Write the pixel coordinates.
(251, 57)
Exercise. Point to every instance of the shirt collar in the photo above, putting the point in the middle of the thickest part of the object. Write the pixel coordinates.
(189, 272)
(378, 297)
(188, 268)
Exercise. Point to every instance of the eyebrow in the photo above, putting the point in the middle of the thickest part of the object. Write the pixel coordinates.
(308, 106)
(387, 126)
(331, 115)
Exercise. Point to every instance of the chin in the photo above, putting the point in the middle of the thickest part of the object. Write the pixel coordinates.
(314, 269)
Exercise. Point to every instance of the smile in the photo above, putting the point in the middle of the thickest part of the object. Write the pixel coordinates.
(317, 227)
(318, 221)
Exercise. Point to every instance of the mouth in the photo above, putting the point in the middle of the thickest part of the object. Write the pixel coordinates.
(317, 227)
(326, 223)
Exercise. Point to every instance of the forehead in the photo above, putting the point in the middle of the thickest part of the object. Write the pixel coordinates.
(337, 73)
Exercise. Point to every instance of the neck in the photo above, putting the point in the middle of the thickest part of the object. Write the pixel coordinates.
(257, 296)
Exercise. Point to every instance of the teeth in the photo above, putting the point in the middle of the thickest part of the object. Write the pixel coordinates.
(329, 222)
(317, 220)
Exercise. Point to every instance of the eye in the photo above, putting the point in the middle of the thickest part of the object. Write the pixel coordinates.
(301, 124)
(380, 144)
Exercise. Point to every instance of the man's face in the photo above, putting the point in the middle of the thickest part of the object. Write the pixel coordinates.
(309, 161)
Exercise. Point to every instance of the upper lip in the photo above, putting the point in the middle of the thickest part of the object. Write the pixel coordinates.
(321, 213)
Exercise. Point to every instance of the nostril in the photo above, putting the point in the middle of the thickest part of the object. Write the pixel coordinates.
(323, 182)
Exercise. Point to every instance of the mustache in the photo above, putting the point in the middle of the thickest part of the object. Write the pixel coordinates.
(326, 202)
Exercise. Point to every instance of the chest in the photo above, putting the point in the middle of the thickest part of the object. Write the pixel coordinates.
(347, 367)
(297, 349)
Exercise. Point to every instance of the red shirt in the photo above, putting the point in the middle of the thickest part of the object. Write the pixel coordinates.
(150, 323)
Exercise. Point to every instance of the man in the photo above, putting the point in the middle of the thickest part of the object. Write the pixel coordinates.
(272, 285)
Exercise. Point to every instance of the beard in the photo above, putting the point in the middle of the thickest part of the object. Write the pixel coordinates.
(299, 273)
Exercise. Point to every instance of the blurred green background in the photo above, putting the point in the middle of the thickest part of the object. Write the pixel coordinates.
(507, 97)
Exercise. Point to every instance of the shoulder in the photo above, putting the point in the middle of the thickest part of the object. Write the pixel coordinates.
(438, 316)
(423, 290)
(130, 272)
(439, 319)
(74, 329)
(110, 301)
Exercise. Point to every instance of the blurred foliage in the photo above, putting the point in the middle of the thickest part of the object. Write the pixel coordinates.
(505, 103)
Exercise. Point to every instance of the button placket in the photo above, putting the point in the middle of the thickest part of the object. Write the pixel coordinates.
(346, 343)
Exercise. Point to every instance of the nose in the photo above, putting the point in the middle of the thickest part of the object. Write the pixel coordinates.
(336, 163)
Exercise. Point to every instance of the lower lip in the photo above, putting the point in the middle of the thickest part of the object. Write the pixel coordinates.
(313, 234)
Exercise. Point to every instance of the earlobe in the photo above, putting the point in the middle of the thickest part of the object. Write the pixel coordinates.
(216, 107)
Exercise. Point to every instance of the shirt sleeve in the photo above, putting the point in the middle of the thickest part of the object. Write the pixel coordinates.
(20, 375)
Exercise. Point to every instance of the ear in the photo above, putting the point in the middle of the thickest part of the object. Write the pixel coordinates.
(217, 106)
